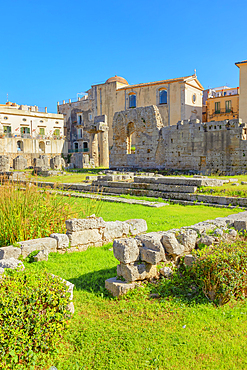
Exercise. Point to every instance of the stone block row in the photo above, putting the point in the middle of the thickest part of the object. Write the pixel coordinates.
(141, 257)
(81, 233)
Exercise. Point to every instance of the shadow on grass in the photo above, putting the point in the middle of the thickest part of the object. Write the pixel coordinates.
(94, 282)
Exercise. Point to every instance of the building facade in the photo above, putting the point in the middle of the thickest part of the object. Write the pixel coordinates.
(28, 131)
(176, 99)
(220, 103)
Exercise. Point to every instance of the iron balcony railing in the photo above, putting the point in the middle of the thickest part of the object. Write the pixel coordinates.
(79, 150)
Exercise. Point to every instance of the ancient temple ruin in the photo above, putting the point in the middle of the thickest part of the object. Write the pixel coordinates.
(188, 145)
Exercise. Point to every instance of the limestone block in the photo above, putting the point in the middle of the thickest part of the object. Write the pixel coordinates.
(151, 256)
(201, 227)
(11, 263)
(71, 308)
(10, 251)
(88, 237)
(41, 256)
(132, 272)
(118, 287)
(4, 163)
(91, 222)
(166, 271)
(187, 238)
(240, 225)
(218, 232)
(189, 260)
(126, 250)
(62, 240)
(29, 246)
(20, 163)
(115, 229)
(137, 226)
(171, 245)
(56, 162)
(206, 239)
(233, 233)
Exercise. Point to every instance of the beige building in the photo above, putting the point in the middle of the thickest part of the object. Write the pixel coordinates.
(220, 103)
(243, 90)
(176, 99)
(30, 131)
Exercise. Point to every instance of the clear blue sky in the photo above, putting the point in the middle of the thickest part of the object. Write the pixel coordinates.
(52, 50)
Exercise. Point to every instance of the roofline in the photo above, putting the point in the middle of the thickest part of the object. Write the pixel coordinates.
(179, 79)
(243, 62)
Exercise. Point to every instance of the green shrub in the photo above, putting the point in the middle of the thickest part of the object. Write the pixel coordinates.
(221, 271)
(33, 317)
(27, 212)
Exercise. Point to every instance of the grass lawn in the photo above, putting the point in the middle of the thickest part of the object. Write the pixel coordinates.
(136, 332)
(164, 218)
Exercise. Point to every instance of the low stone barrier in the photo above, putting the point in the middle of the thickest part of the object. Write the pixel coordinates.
(81, 233)
(141, 257)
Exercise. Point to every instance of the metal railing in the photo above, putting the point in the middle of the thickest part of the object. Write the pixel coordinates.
(222, 111)
(79, 150)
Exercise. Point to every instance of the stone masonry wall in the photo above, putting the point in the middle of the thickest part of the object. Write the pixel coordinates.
(81, 233)
(189, 145)
(141, 257)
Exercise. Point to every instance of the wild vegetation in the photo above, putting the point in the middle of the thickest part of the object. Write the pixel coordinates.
(33, 317)
(28, 212)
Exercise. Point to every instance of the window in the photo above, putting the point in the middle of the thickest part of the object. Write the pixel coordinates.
(228, 106)
(5, 117)
(80, 119)
(90, 116)
(57, 132)
(76, 147)
(132, 101)
(217, 107)
(163, 97)
(194, 98)
(25, 130)
(19, 146)
(24, 119)
(85, 145)
(7, 129)
(79, 133)
(42, 131)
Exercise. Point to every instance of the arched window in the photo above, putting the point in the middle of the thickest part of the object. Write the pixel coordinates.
(76, 146)
(85, 145)
(42, 147)
(19, 146)
(163, 97)
(132, 101)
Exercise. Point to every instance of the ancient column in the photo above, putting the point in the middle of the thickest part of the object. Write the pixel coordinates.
(104, 158)
(94, 148)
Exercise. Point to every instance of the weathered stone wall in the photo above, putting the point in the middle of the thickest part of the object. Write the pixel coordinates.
(189, 145)
(20, 163)
(81, 233)
(139, 257)
(146, 124)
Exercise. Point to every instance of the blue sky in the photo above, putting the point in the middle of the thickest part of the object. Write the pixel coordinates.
(52, 50)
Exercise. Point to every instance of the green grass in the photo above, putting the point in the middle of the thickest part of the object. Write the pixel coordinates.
(136, 332)
(164, 218)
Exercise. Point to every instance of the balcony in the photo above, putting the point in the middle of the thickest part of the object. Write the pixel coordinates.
(223, 111)
(79, 150)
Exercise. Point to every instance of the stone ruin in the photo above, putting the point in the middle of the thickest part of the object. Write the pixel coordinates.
(152, 255)
(189, 145)
(57, 163)
(20, 163)
(4, 163)
(81, 160)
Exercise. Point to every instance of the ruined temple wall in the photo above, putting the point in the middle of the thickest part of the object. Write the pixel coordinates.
(145, 123)
(213, 146)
